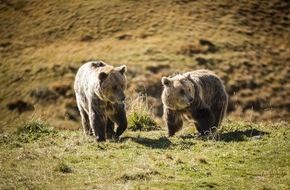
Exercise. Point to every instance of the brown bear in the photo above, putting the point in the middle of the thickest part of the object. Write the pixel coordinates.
(99, 90)
(199, 95)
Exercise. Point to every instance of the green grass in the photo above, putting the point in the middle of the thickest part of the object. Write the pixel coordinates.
(43, 43)
(29, 131)
(140, 116)
(241, 156)
(142, 122)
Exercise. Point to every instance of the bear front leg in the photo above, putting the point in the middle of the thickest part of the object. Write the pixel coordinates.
(173, 121)
(119, 117)
(205, 120)
(110, 129)
(98, 123)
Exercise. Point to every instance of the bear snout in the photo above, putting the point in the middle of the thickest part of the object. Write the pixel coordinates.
(122, 97)
(190, 99)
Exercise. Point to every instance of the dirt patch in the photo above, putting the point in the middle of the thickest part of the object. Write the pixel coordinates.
(201, 47)
(20, 106)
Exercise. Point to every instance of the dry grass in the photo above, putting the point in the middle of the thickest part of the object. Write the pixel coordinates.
(140, 115)
(44, 43)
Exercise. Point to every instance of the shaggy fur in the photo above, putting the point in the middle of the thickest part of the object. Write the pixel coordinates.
(200, 95)
(99, 90)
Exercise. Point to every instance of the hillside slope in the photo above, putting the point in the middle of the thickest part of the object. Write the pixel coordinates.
(42, 44)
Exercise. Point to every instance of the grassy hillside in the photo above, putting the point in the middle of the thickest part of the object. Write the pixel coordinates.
(243, 155)
(43, 43)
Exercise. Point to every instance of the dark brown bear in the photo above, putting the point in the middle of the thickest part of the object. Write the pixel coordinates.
(99, 90)
(200, 95)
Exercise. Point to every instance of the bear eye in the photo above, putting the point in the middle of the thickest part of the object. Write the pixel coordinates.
(114, 87)
(181, 91)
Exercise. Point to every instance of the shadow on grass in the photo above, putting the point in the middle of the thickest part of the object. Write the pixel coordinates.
(231, 136)
(161, 143)
(237, 136)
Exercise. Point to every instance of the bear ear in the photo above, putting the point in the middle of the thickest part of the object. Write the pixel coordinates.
(102, 76)
(187, 76)
(98, 64)
(122, 69)
(165, 81)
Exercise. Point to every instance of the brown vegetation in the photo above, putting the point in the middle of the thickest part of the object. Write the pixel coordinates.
(43, 43)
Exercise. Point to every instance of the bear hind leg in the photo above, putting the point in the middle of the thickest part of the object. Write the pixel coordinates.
(85, 122)
(204, 120)
(218, 118)
(219, 111)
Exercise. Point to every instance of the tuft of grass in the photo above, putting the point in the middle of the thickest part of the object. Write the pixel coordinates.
(142, 122)
(140, 116)
(63, 167)
(31, 130)
(139, 176)
(34, 129)
(36, 126)
(201, 159)
(178, 160)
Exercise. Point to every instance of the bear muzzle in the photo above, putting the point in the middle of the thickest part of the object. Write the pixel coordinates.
(120, 98)
(190, 100)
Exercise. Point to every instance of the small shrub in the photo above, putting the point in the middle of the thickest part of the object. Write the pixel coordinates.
(140, 116)
(142, 122)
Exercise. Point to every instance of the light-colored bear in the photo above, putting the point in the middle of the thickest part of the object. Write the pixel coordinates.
(99, 90)
(199, 95)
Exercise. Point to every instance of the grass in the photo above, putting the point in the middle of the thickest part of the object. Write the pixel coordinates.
(242, 156)
(142, 122)
(43, 43)
(29, 131)
(140, 116)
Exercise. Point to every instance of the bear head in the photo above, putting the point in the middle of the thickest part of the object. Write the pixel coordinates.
(178, 92)
(112, 83)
